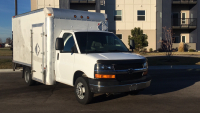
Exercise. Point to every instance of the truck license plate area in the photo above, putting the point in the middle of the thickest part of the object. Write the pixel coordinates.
(133, 87)
(127, 77)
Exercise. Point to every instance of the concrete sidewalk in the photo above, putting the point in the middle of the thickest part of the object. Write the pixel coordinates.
(150, 68)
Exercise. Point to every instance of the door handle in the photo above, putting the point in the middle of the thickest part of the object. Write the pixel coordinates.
(58, 56)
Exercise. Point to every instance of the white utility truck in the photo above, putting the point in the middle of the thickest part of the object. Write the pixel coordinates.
(75, 48)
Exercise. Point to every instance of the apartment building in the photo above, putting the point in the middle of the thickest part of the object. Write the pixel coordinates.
(185, 22)
(85, 5)
(149, 15)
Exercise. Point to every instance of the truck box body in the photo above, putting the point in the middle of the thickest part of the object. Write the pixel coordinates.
(34, 36)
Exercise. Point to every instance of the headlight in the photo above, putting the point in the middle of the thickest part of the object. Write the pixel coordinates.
(145, 65)
(104, 67)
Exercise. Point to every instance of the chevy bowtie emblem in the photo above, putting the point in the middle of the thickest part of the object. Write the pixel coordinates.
(37, 49)
(130, 71)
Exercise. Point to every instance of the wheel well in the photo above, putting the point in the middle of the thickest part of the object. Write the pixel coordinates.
(78, 74)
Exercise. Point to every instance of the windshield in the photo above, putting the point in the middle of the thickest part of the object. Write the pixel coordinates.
(99, 42)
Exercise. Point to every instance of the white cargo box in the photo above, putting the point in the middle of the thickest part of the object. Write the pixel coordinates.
(34, 35)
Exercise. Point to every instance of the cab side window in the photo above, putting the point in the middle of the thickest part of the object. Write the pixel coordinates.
(68, 43)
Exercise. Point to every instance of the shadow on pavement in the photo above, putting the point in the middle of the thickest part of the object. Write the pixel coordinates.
(173, 60)
(166, 81)
(163, 81)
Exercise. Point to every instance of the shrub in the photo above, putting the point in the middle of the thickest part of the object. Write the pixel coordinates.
(192, 50)
(150, 50)
(144, 50)
(160, 50)
(181, 47)
(139, 38)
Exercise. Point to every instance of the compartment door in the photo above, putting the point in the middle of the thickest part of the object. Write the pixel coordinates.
(38, 53)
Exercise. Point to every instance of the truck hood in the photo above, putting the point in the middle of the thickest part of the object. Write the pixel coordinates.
(115, 56)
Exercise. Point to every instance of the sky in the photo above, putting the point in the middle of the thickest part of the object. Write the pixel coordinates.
(7, 11)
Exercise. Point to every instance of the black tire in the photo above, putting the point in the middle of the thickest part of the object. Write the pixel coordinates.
(14, 66)
(28, 76)
(83, 97)
(136, 92)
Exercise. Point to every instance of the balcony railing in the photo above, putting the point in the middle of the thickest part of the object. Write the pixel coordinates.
(184, 1)
(184, 23)
(83, 1)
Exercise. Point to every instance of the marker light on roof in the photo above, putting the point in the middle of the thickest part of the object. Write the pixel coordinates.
(49, 14)
(75, 16)
(81, 16)
(88, 17)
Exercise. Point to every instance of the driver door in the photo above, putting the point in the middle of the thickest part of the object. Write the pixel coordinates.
(65, 60)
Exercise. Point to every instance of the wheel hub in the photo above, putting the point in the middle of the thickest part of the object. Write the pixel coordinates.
(26, 77)
(80, 90)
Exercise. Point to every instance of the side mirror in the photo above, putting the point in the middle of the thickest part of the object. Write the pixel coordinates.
(132, 44)
(59, 44)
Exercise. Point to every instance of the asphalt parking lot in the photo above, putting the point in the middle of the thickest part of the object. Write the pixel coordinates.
(176, 91)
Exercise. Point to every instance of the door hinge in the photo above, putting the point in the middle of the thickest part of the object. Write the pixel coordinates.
(33, 71)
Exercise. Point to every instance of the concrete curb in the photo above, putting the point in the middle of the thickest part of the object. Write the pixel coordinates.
(175, 67)
(9, 71)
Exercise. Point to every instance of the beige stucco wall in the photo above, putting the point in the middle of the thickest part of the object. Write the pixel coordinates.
(129, 20)
(37, 4)
(33, 5)
(150, 33)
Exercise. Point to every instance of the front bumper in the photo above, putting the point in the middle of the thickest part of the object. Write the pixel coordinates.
(114, 86)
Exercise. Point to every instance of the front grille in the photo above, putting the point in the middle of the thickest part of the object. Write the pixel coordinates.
(128, 66)
(127, 77)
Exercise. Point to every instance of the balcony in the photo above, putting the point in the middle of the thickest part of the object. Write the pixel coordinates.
(184, 1)
(184, 23)
(83, 1)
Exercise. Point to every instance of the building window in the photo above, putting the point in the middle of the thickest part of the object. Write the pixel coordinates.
(119, 36)
(118, 15)
(183, 39)
(176, 39)
(141, 15)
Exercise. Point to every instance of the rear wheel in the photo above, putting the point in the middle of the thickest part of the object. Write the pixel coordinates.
(82, 91)
(14, 66)
(28, 76)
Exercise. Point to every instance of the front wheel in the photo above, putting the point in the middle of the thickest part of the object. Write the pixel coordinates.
(82, 91)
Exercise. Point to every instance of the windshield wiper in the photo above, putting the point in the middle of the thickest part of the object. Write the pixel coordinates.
(116, 51)
(95, 51)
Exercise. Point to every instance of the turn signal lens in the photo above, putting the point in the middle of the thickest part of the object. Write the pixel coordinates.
(104, 76)
(49, 14)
